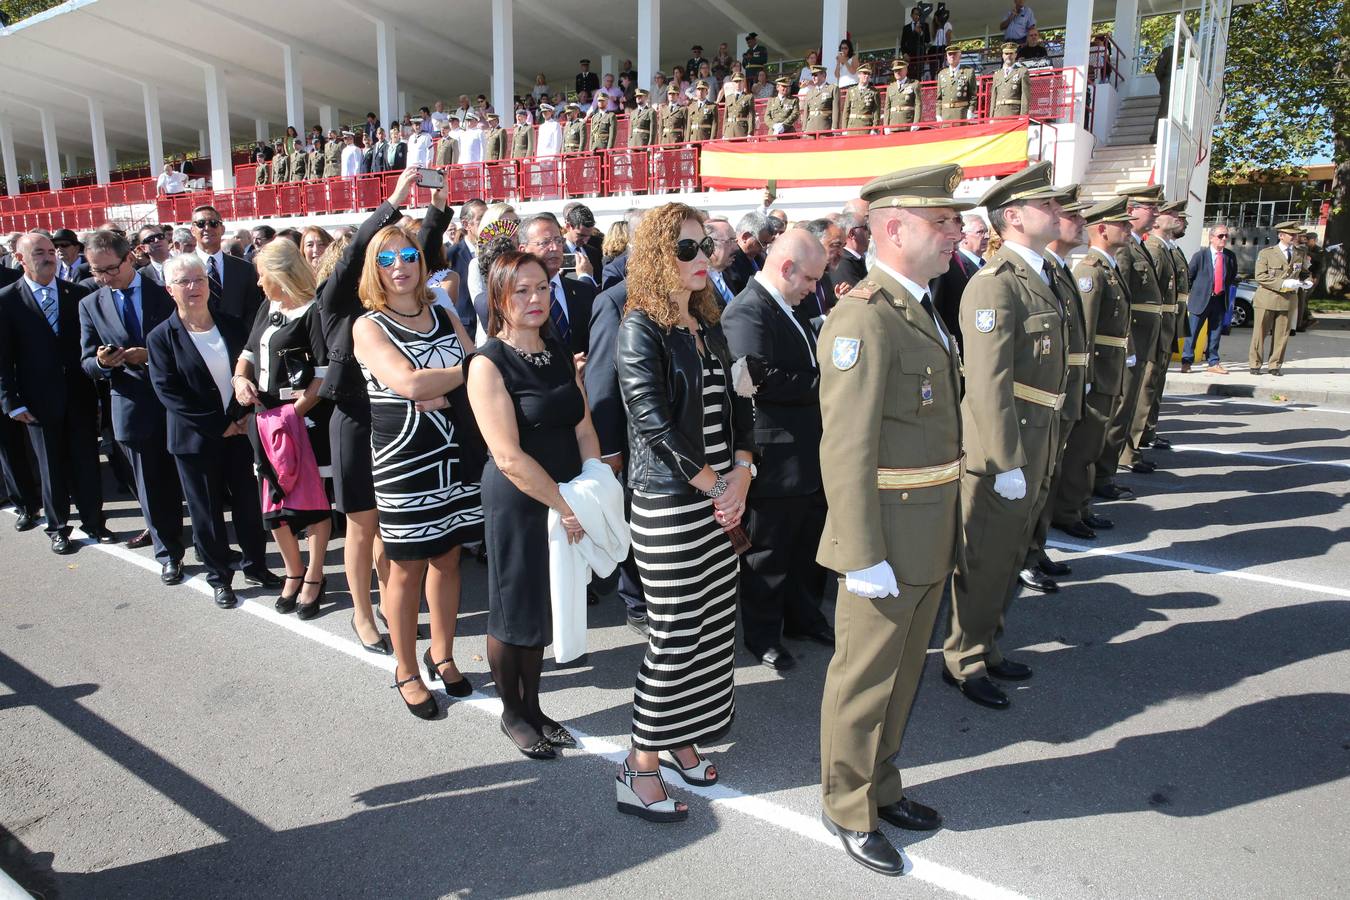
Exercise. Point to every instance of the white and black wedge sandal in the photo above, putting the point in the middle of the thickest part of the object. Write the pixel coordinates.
(629, 803)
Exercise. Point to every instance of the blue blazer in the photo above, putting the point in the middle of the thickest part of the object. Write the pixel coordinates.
(1201, 271)
(137, 414)
(39, 369)
(196, 421)
(608, 413)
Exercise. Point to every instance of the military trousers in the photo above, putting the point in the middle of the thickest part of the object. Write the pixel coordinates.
(1071, 498)
(1151, 390)
(1042, 526)
(1144, 329)
(1273, 322)
(1178, 333)
(995, 534)
(880, 646)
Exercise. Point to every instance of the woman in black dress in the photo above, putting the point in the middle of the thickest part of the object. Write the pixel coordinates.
(286, 344)
(529, 404)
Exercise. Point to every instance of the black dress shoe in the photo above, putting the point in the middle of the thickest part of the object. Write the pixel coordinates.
(870, 848)
(777, 658)
(824, 635)
(1161, 443)
(140, 540)
(1143, 467)
(61, 544)
(225, 597)
(1048, 566)
(979, 690)
(172, 572)
(910, 815)
(1276, 372)
(1079, 530)
(102, 535)
(25, 521)
(262, 578)
(1113, 492)
(1009, 671)
(380, 647)
(1101, 523)
(1036, 581)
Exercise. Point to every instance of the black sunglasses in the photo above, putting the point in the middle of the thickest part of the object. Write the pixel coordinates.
(688, 248)
(204, 224)
(152, 239)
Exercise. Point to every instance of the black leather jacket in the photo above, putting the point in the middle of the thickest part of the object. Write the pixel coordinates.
(661, 380)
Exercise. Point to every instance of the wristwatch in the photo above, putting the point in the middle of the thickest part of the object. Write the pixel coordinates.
(751, 467)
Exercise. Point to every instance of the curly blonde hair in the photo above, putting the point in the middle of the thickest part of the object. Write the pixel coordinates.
(371, 288)
(653, 270)
(331, 257)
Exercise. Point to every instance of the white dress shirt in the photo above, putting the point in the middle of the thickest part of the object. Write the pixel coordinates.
(919, 291)
(1034, 260)
(556, 288)
(1108, 257)
(216, 355)
(786, 308)
(974, 260)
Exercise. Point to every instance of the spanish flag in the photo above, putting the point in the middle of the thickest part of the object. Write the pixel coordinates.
(991, 149)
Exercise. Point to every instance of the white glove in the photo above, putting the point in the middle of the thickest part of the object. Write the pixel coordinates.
(873, 582)
(1087, 389)
(1306, 284)
(1290, 284)
(1130, 361)
(778, 128)
(1011, 485)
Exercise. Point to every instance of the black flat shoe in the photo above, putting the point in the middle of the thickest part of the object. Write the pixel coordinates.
(910, 815)
(561, 738)
(225, 598)
(61, 544)
(540, 749)
(824, 635)
(1101, 523)
(1161, 443)
(171, 572)
(102, 535)
(1037, 582)
(25, 522)
(1079, 530)
(1113, 492)
(1048, 566)
(1143, 467)
(426, 709)
(141, 540)
(310, 610)
(381, 646)
(286, 602)
(979, 690)
(460, 688)
(1009, 671)
(262, 578)
(777, 658)
(868, 848)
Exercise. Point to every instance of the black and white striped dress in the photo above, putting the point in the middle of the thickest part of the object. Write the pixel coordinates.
(685, 693)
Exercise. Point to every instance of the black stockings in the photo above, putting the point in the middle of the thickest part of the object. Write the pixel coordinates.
(516, 671)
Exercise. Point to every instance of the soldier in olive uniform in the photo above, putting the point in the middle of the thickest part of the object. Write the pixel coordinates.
(1141, 283)
(738, 115)
(1162, 248)
(299, 167)
(904, 100)
(332, 156)
(641, 121)
(955, 88)
(702, 115)
(672, 118)
(1013, 326)
(574, 132)
(314, 163)
(1011, 88)
(494, 139)
(1279, 278)
(781, 113)
(262, 171)
(890, 458)
(862, 104)
(522, 137)
(604, 125)
(1106, 317)
(447, 148)
(1153, 361)
(820, 102)
(281, 164)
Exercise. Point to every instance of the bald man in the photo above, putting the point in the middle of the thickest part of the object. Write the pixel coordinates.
(781, 584)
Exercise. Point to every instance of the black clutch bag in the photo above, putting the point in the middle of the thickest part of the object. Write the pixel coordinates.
(472, 448)
(298, 364)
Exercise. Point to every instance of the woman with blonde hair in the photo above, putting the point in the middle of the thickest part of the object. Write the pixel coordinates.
(616, 241)
(690, 468)
(278, 375)
(314, 242)
(411, 354)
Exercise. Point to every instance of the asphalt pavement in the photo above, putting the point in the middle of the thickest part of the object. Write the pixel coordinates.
(1186, 734)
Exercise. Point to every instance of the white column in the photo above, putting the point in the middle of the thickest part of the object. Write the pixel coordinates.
(404, 104)
(204, 142)
(1077, 48)
(50, 150)
(1126, 28)
(386, 61)
(649, 43)
(112, 157)
(7, 158)
(218, 125)
(261, 131)
(610, 64)
(503, 58)
(100, 140)
(833, 28)
(72, 163)
(154, 134)
(327, 117)
(295, 89)
(35, 170)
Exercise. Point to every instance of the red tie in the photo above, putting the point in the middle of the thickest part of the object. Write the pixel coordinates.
(1218, 272)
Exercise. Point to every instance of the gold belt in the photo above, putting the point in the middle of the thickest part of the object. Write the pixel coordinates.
(1169, 307)
(1036, 395)
(1001, 102)
(1107, 340)
(1154, 308)
(1078, 359)
(922, 477)
(963, 103)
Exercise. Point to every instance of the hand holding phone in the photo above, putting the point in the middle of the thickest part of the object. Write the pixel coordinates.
(430, 178)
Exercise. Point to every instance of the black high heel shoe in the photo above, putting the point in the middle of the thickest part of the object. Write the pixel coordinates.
(286, 603)
(310, 610)
(427, 709)
(461, 688)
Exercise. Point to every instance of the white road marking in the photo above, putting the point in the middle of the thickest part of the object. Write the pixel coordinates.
(1270, 457)
(1292, 406)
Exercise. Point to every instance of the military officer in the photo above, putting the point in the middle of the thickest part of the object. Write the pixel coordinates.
(904, 100)
(447, 148)
(1106, 318)
(315, 162)
(1162, 249)
(821, 103)
(281, 164)
(522, 137)
(672, 118)
(494, 139)
(641, 121)
(299, 168)
(574, 132)
(332, 155)
(1011, 90)
(1154, 359)
(604, 125)
(262, 171)
(1279, 278)
(1013, 324)
(862, 104)
(890, 459)
(782, 112)
(702, 115)
(955, 88)
(1141, 284)
(738, 114)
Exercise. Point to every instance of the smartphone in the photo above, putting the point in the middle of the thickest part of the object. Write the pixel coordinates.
(772, 187)
(430, 178)
(113, 348)
(569, 261)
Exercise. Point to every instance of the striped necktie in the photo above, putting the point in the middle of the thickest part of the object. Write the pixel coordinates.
(559, 317)
(50, 307)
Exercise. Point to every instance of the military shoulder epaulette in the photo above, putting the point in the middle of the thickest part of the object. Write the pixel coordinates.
(1093, 259)
(864, 290)
(991, 269)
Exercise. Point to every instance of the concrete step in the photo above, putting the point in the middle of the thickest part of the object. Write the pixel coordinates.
(1126, 154)
(1142, 100)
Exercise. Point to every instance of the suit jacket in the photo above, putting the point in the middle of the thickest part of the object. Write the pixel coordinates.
(787, 392)
(196, 420)
(593, 254)
(615, 271)
(850, 270)
(137, 414)
(813, 309)
(40, 369)
(1201, 273)
(738, 274)
(242, 296)
(8, 276)
(459, 258)
(580, 298)
(148, 271)
(608, 414)
(947, 289)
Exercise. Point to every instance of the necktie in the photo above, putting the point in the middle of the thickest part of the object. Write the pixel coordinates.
(50, 308)
(820, 298)
(213, 273)
(720, 283)
(1218, 273)
(1288, 255)
(559, 316)
(131, 320)
(927, 305)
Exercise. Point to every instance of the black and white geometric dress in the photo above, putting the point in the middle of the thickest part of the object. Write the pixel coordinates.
(423, 508)
(685, 692)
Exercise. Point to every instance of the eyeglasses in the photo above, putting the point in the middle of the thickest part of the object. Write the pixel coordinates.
(152, 239)
(548, 243)
(1222, 237)
(386, 258)
(108, 270)
(188, 282)
(204, 224)
(688, 248)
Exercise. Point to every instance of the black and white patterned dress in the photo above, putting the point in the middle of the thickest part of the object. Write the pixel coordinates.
(423, 508)
(685, 692)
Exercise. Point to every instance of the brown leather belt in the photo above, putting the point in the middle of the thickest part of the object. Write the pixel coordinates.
(921, 477)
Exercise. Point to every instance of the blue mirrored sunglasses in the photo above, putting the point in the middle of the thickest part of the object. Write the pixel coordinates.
(386, 257)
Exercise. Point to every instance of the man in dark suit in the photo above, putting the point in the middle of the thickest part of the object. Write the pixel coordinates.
(754, 233)
(17, 478)
(114, 321)
(461, 254)
(570, 310)
(578, 226)
(43, 387)
(70, 263)
(1213, 273)
(968, 259)
(234, 282)
(781, 583)
(852, 267)
(724, 254)
(816, 305)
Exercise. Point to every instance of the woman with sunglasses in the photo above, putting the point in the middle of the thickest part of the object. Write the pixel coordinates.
(690, 467)
(411, 354)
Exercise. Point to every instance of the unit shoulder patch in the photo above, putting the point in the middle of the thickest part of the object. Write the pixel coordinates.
(984, 320)
(1085, 283)
(845, 352)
